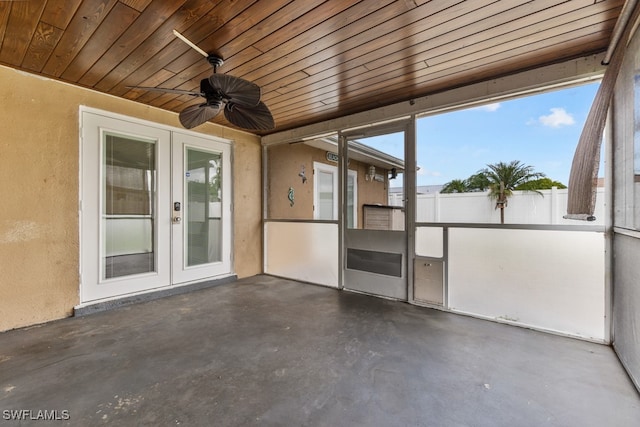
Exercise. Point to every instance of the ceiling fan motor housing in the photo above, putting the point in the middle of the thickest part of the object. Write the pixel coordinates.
(215, 61)
(213, 95)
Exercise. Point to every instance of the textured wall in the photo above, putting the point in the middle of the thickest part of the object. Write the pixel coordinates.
(39, 167)
(285, 163)
(247, 191)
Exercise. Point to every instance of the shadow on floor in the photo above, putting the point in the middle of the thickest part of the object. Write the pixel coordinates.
(268, 351)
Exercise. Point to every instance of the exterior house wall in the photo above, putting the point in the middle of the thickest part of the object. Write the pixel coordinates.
(39, 173)
(285, 162)
(370, 192)
(626, 212)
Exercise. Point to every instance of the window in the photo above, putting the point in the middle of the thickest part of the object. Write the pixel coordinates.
(128, 206)
(325, 205)
(325, 194)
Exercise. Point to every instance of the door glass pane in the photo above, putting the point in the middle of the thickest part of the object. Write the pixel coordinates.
(204, 207)
(350, 200)
(379, 164)
(128, 206)
(325, 195)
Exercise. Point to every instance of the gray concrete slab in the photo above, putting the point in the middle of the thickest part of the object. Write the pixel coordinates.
(267, 351)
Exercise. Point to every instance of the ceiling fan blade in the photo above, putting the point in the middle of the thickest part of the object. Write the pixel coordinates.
(195, 115)
(252, 118)
(167, 90)
(190, 43)
(239, 91)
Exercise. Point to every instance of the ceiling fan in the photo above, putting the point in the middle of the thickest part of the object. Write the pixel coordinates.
(239, 98)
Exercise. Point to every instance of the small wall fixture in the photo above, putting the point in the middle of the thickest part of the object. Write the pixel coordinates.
(371, 173)
(302, 175)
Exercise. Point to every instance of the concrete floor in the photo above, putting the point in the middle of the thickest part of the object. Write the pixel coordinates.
(266, 351)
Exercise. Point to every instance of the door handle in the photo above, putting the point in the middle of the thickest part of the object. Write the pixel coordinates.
(176, 210)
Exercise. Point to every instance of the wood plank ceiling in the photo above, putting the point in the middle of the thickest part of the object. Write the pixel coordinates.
(315, 60)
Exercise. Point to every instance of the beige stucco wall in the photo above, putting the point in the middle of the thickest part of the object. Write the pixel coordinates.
(39, 187)
(284, 163)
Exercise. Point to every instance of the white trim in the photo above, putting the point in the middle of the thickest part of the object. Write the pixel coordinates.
(135, 120)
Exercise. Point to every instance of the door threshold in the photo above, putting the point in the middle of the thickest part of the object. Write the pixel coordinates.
(97, 307)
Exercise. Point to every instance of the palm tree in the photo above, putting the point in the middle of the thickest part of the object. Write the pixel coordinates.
(478, 182)
(504, 178)
(455, 186)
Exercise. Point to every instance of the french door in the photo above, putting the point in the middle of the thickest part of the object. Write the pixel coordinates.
(201, 208)
(155, 207)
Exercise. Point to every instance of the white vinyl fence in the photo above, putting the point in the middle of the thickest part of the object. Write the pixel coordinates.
(524, 207)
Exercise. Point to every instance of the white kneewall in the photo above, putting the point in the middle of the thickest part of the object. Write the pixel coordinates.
(548, 280)
(305, 251)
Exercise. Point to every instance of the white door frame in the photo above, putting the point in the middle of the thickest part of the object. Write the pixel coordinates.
(181, 273)
(93, 287)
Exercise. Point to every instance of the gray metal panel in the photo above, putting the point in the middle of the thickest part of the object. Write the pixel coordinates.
(378, 284)
(428, 283)
(389, 264)
(626, 300)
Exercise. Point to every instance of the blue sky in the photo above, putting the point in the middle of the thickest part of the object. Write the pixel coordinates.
(540, 130)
